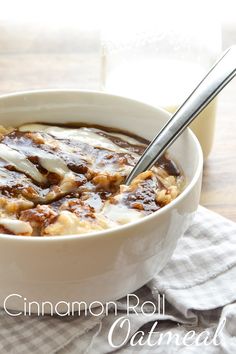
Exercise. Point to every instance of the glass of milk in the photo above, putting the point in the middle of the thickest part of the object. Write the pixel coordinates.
(158, 56)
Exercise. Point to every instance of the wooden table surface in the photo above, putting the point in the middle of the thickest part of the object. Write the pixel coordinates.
(219, 184)
(33, 61)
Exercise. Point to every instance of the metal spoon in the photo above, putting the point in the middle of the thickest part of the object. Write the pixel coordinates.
(216, 79)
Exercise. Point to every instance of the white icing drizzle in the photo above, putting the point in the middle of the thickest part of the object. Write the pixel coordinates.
(84, 135)
(126, 138)
(20, 162)
(50, 162)
(16, 226)
(120, 213)
(53, 163)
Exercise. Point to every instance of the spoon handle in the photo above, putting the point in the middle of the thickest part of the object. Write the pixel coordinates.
(215, 80)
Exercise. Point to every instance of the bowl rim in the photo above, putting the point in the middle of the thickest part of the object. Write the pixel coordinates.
(118, 229)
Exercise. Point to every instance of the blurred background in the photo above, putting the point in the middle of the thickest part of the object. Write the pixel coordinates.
(67, 35)
(151, 50)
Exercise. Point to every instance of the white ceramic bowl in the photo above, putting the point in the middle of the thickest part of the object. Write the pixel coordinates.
(109, 264)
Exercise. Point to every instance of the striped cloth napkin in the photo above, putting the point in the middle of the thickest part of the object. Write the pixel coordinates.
(189, 307)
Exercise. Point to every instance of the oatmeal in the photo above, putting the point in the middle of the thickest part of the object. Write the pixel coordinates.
(57, 180)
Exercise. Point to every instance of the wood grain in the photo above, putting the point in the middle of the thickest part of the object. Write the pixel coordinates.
(36, 65)
(219, 184)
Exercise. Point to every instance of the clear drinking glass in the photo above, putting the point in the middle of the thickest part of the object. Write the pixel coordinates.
(159, 53)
